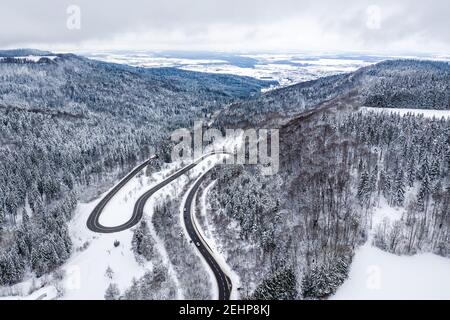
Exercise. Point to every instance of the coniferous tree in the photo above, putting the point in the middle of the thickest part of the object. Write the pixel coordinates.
(386, 186)
(112, 292)
(322, 281)
(364, 189)
(399, 189)
(2, 220)
(411, 172)
(279, 286)
(109, 273)
(142, 241)
(374, 179)
(132, 292)
(424, 192)
(434, 170)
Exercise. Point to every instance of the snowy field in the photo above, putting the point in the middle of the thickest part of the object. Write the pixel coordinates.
(285, 72)
(425, 112)
(376, 274)
(287, 69)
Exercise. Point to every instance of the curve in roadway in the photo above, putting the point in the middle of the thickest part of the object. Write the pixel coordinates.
(223, 281)
(93, 222)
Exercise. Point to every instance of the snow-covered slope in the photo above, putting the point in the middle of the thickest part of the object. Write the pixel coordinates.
(376, 274)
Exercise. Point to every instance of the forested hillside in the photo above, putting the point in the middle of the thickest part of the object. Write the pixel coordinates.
(301, 227)
(336, 168)
(390, 84)
(69, 124)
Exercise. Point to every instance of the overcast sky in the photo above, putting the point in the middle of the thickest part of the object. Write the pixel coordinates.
(382, 26)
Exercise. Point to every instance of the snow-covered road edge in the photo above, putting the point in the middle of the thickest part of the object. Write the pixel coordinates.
(206, 233)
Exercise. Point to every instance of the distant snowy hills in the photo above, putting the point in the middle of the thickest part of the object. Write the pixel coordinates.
(23, 53)
(411, 84)
(286, 69)
(26, 56)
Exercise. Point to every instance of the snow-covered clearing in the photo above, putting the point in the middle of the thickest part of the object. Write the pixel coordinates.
(376, 274)
(45, 293)
(85, 270)
(384, 212)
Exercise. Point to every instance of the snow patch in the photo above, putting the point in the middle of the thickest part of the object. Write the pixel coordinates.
(376, 274)
(46, 293)
(85, 270)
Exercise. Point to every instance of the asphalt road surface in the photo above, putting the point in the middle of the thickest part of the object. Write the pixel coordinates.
(93, 222)
(223, 281)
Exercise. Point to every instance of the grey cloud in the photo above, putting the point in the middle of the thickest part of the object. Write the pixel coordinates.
(25, 22)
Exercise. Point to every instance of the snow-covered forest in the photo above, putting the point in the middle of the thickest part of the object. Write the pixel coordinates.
(410, 84)
(69, 127)
(302, 227)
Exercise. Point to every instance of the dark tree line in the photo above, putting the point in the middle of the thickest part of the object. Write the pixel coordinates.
(40, 243)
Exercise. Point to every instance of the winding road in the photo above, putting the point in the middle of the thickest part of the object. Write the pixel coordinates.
(223, 281)
(93, 222)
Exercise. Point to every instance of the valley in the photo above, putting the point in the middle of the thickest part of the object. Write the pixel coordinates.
(94, 208)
